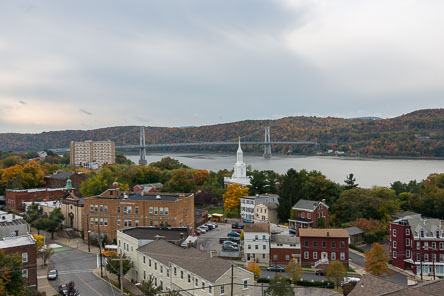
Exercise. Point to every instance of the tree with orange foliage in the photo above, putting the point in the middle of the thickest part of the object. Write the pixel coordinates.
(200, 176)
(376, 260)
(233, 195)
(254, 268)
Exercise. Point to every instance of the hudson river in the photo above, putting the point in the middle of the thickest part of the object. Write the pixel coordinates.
(368, 172)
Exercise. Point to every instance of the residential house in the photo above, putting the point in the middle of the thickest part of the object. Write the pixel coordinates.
(283, 248)
(130, 239)
(12, 225)
(248, 204)
(147, 188)
(25, 246)
(308, 213)
(257, 242)
(114, 210)
(356, 235)
(175, 268)
(320, 246)
(415, 242)
(266, 213)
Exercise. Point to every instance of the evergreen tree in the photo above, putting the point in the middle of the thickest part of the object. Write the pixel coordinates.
(350, 182)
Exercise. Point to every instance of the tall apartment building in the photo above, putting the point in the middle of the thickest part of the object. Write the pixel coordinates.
(88, 152)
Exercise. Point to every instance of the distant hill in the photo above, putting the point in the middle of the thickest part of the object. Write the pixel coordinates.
(420, 133)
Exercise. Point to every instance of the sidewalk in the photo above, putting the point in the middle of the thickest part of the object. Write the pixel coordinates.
(127, 285)
(42, 280)
(76, 243)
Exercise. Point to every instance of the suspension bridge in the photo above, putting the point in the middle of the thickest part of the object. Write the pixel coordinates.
(143, 145)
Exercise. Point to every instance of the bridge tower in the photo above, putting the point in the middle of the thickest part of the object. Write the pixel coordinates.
(142, 160)
(267, 145)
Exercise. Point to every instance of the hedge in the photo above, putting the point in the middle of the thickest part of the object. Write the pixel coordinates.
(357, 248)
(263, 280)
(306, 283)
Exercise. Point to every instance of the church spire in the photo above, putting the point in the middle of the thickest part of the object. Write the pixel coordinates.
(240, 154)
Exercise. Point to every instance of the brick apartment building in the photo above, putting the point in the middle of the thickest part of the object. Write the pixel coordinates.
(113, 210)
(59, 179)
(283, 248)
(25, 246)
(15, 198)
(416, 242)
(307, 214)
(84, 153)
(319, 246)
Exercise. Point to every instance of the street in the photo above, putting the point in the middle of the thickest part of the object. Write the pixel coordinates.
(308, 276)
(77, 266)
(396, 277)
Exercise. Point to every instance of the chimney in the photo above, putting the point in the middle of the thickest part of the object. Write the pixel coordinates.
(328, 234)
(323, 200)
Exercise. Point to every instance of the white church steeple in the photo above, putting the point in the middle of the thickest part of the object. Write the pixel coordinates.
(240, 170)
(240, 154)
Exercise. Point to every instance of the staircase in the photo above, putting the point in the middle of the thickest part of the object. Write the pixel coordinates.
(320, 262)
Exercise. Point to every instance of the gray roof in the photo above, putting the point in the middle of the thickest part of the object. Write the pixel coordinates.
(354, 230)
(151, 233)
(16, 241)
(189, 259)
(163, 197)
(307, 204)
(430, 225)
(60, 175)
(285, 239)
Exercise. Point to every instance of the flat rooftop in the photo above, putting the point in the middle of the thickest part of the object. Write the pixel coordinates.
(16, 241)
(152, 233)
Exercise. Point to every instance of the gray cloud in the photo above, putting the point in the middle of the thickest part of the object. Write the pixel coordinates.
(22, 102)
(163, 62)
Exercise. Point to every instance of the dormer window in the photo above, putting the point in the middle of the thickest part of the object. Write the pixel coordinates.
(437, 234)
(422, 233)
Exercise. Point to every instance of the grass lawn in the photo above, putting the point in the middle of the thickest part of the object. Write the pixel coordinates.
(229, 214)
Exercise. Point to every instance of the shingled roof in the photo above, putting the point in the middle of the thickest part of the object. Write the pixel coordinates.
(191, 259)
(314, 232)
(308, 205)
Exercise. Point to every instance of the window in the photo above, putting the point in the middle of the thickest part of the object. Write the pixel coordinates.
(441, 257)
(91, 208)
(25, 273)
(333, 255)
(394, 255)
(264, 247)
(136, 210)
(161, 268)
(394, 232)
(130, 223)
(210, 289)
(136, 223)
(275, 257)
(155, 210)
(324, 244)
(394, 244)
(333, 244)
(143, 259)
(175, 271)
(302, 215)
(418, 257)
(203, 285)
(96, 208)
(149, 262)
(144, 274)
(165, 210)
(118, 209)
(197, 282)
(91, 221)
(161, 211)
(256, 237)
(418, 245)
(24, 257)
(315, 255)
(181, 274)
(407, 254)
(433, 245)
(189, 278)
(422, 233)
(125, 223)
(426, 245)
(118, 223)
(168, 272)
(287, 257)
(249, 247)
(256, 247)
(306, 244)
(441, 245)
(222, 289)
(101, 208)
(434, 257)
(130, 210)
(426, 257)
(309, 215)
(263, 237)
(97, 221)
(407, 242)
(101, 221)
(151, 210)
(342, 244)
(263, 256)
(315, 244)
(155, 265)
(437, 234)
(245, 284)
(342, 256)
(306, 255)
(407, 231)
(105, 221)
(105, 209)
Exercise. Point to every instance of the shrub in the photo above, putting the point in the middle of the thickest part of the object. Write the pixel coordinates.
(263, 280)
(306, 283)
(356, 248)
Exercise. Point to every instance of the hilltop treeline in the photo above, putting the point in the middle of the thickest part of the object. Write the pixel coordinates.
(417, 134)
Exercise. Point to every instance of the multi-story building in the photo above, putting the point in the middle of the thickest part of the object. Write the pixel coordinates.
(71, 207)
(25, 246)
(12, 225)
(266, 213)
(16, 198)
(113, 210)
(319, 246)
(85, 153)
(175, 268)
(257, 242)
(248, 204)
(59, 180)
(283, 248)
(308, 213)
(130, 239)
(416, 242)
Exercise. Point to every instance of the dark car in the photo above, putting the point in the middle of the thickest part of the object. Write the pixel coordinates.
(227, 242)
(237, 226)
(233, 234)
(292, 231)
(234, 239)
(52, 274)
(320, 272)
(276, 268)
(228, 247)
(63, 289)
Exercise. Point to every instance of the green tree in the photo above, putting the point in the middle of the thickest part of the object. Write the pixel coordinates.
(290, 192)
(41, 224)
(258, 183)
(113, 266)
(121, 159)
(294, 270)
(336, 272)
(148, 287)
(181, 181)
(46, 253)
(350, 182)
(33, 213)
(279, 286)
(11, 281)
(168, 163)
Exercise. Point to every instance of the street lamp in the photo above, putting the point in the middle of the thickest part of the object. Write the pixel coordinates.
(89, 242)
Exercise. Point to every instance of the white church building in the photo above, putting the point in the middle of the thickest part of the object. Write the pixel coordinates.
(240, 171)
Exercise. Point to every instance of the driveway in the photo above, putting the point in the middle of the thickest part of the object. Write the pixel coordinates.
(77, 266)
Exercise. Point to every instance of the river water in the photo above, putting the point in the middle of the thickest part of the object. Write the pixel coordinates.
(368, 172)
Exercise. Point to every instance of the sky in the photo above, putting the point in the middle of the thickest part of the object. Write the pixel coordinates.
(84, 64)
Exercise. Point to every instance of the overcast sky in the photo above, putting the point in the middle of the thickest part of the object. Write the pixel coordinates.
(87, 64)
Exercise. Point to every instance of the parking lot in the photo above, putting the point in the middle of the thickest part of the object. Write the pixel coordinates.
(210, 240)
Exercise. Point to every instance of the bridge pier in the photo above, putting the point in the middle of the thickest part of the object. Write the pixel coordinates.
(142, 160)
(267, 145)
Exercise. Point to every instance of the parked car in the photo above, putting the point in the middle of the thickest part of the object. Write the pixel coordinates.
(228, 247)
(351, 279)
(320, 272)
(210, 226)
(202, 230)
(233, 234)
(227, 242)
(237, 226)
(292, 231)
(52, 274)
(197, 232)
(63, 289)
(205, 227)
(214, 224)
(276, 268)
(247, 221)
(237, 230)
(234, 239)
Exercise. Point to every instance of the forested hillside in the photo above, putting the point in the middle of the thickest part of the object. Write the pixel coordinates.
(420, 133)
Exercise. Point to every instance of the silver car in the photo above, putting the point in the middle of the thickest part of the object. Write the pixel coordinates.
(52, 274)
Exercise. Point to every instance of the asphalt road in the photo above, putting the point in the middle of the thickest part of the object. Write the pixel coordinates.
(309, 276)
(77, 266)
(396, 277)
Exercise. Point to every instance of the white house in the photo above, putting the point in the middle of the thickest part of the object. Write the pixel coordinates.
(248, 203)
(257, 242)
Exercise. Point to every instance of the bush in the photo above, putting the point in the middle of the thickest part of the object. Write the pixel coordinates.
(263, 280)
(325, 284)
(357, 248)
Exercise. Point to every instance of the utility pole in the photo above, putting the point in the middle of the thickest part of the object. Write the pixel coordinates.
(433, 260)
(232, 278)
(100, 250)
(420, 254)
(120, 272)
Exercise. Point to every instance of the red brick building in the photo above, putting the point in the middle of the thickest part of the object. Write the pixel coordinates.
(59, 179)
(147, 188)
(113, 210)
(307, 214)
(15, 198)
(416, 242)
(283, 248)
(320, 246)
(25, 246)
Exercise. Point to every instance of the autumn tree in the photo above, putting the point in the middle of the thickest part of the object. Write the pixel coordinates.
(254, 268)
(200, 176)
(181, 181)
(294, 270)
(39, 241)
(279, 286)
(376, 260)
(11, 281)
(233, 195)
(336, 272)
